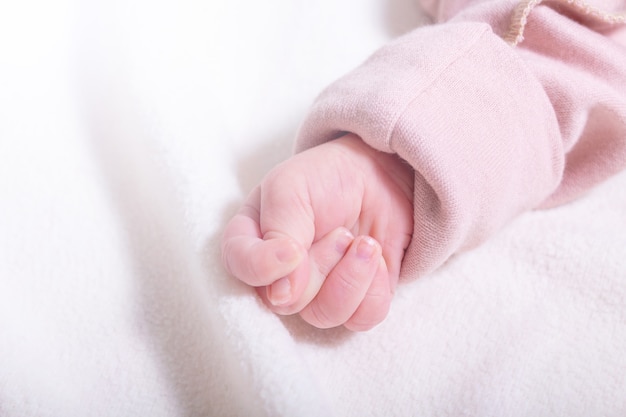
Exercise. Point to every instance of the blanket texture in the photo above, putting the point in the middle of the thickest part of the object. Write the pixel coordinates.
(130, 131)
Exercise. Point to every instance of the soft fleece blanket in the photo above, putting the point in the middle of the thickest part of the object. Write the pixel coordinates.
(130, 131)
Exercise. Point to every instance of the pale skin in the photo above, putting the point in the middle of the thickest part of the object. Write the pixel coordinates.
(324, 233)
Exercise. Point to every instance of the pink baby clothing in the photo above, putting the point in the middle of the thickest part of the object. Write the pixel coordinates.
(500, 106)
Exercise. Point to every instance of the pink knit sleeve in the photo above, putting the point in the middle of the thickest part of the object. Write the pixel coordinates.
(502, 108)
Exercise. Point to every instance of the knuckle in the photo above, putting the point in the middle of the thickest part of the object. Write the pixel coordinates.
(348, 282)
(363, 322)
(257, 270)
(371, 313)
(362, 325)
(225, 256)
(318, 317)
(229, 256)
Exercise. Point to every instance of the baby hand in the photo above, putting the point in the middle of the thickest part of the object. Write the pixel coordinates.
(294, 238)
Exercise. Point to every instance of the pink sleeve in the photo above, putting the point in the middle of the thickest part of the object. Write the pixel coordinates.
(500, 109)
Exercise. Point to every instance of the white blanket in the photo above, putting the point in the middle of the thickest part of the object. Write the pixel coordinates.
(130, 131)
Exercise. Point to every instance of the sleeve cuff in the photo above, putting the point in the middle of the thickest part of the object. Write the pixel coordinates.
(459, 105)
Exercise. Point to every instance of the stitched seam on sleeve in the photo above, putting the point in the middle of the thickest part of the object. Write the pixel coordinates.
(464, 52)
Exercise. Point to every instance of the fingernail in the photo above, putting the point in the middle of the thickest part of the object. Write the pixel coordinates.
(366, 248)
(288, 253)
(279, 293)
(343, 241)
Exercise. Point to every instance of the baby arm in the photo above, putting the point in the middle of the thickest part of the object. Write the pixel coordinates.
(324, 234)
(490, 130)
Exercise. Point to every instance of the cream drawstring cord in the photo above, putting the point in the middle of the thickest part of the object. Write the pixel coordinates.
(515, 35)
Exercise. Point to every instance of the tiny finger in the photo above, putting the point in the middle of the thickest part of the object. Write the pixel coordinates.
(259, 262)
(375, 305)
(346, 285)
(323, 257)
